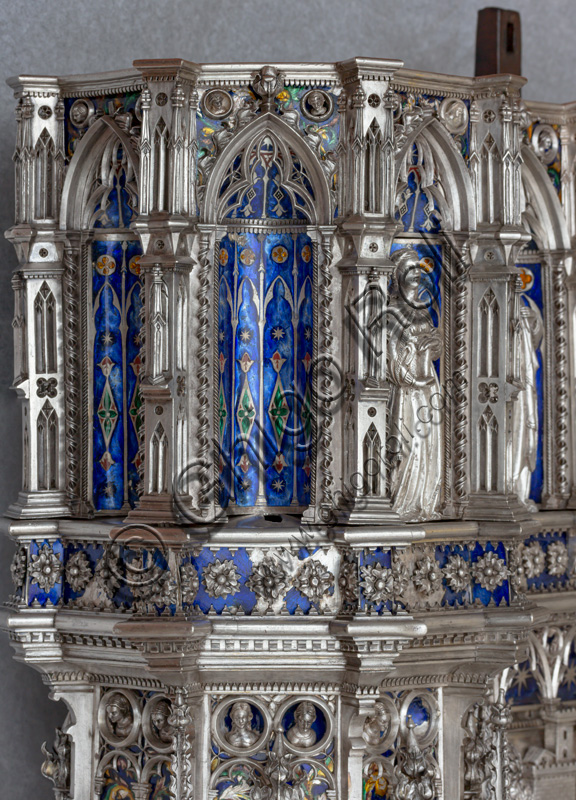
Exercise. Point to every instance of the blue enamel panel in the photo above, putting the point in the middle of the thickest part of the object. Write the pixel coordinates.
(417, 210)
(304, 302)
(116, 292)
(265, 332)
(418, 712)
(473, 592)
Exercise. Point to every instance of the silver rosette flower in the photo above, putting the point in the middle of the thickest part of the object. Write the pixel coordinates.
(168, 593)
(45, 567)
(457, 573)
(400, 574)
(109, 569)
(517, 576)
(489, 571)
(427, 576)
(146, 585)
(557, 558)
(348, 582)
(314, 580)
(189, 583)
(78, 571)
(220, 578)
(377, 583)
(18, 567)
(533, 560)
(268, 580)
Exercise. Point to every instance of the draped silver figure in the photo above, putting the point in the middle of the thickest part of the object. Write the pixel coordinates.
(523, 443)
(414, 345)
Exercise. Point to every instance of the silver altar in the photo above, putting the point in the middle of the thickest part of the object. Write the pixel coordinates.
(295, 351)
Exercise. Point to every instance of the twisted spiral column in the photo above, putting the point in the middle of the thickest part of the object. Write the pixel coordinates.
(71, 370)
(460, 380)
(325, 339)
(203, 392)
(141, 461)
(561, 366)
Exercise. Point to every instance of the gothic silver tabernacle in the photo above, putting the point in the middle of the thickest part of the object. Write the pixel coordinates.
(295, 351)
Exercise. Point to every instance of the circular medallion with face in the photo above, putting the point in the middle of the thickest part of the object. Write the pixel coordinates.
(545, 143)
(80, 113)
(216, 104)
(317, 105)
(454, 114)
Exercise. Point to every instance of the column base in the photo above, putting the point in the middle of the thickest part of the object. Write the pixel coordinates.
(504, 507)
(369, 511)
(31, 505)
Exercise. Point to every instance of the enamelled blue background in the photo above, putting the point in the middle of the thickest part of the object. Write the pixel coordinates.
(283, 289)
(419, 212)
(265, 280)
(117, 300)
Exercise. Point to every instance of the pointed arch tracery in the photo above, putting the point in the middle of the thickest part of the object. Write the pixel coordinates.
(447, 179)
(86, 163)
(270, 198)
(421, 205)
(103, 289)
(434, 197)
(542, 211)
(293, 153)
(542, 267)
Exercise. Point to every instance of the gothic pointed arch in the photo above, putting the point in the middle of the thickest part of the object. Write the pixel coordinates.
(542, 211)
(455, 194)
(292, 146)
(78, 184)
(543, 266)
(270, 198)
(103, 308)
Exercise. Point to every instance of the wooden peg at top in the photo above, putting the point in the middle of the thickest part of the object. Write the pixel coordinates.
(498, 42)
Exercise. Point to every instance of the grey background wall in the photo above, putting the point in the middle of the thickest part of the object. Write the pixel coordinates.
(50, 37)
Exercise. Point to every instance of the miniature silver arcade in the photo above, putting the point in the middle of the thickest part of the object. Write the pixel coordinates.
(295, 350)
